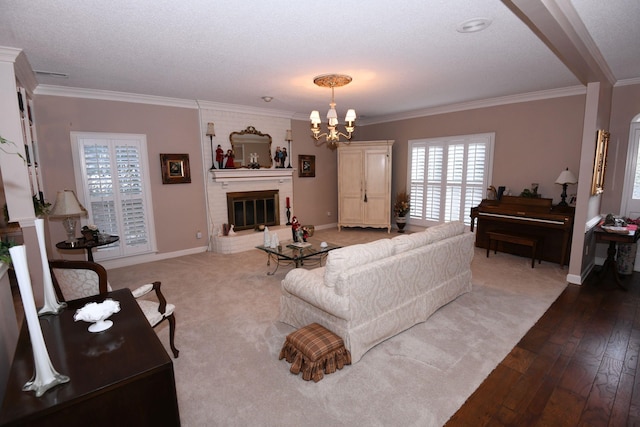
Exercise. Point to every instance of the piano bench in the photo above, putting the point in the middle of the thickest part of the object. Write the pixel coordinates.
(518, 239)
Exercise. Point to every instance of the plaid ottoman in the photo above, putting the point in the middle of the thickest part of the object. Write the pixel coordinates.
(314, 349)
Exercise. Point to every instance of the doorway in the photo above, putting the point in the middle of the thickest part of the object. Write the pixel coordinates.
(630, 206)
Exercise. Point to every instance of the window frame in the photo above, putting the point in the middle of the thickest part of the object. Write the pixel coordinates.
(120, 249)
(488, 138)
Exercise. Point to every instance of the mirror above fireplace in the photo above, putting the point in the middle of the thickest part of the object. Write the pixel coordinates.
(248, 144)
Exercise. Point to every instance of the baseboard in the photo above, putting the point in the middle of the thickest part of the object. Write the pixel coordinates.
(574, 279)
(326, 226)
(579, 280)
(141, 259)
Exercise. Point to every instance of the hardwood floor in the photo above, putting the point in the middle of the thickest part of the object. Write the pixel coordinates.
(576, 367)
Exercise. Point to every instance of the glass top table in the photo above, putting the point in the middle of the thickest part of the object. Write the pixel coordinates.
(290, 253)
(88, 245)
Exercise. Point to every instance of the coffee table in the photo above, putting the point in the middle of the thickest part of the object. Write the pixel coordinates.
(290, 253)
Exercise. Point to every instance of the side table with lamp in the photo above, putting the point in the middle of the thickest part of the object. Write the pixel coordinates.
(69, 209)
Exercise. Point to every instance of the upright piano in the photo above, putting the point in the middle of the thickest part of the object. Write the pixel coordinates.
(534, 216)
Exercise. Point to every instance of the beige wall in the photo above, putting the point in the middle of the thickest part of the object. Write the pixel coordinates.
(534, 141)
(179, 209)
(314, 197)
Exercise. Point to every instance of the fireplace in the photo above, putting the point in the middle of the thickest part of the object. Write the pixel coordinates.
(249, 209)
(225, 181)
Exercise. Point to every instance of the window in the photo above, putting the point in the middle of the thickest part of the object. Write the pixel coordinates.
(448, 176)
(113, 184)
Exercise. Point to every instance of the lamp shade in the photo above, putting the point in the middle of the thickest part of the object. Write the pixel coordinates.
(351, 116)
(211, 129)
(288, 137)
(566, 177)
(67, 205)
(315, 117)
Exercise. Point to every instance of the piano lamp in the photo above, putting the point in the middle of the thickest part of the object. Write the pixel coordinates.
(565, 178)
(69, 208)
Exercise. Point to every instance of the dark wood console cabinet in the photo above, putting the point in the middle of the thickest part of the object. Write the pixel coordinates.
(121, 376)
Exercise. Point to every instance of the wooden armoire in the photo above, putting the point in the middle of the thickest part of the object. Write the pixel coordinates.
(364, 184)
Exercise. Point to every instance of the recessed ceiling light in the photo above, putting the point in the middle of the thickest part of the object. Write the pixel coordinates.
(267, 98)
(52, 74)
(473, 25)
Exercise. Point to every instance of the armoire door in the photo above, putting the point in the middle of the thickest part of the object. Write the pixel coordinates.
(351, 187)
(376, 187)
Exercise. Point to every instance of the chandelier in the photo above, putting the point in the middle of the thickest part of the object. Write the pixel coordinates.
(332, 136)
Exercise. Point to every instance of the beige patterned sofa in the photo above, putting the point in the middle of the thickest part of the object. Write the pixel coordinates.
(370, 292)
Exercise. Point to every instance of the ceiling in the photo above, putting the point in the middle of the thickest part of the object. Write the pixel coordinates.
(403, 56)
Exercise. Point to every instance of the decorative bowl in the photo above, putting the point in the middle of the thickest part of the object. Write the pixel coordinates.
(97, 314)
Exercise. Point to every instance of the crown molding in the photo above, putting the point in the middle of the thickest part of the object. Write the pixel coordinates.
(9, 54)
(472, 105)
(627, 82)
(107, 95)
(22, 68)
(235, 108)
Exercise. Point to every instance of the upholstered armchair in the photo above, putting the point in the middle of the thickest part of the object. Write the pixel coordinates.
(78, 279)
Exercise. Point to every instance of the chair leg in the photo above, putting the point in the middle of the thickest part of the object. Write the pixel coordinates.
(172, 332)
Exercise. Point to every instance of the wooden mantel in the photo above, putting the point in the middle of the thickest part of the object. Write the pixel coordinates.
(236, 175)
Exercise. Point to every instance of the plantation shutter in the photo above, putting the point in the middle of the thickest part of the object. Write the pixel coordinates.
(134, 224)
(448, 177)
(115, 192)
(417, 191)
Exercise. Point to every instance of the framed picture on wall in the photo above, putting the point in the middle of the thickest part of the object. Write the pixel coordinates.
(175, 168)
(306, 166)
(600, 162)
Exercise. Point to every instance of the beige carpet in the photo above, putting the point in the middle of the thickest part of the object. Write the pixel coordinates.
(228, 372)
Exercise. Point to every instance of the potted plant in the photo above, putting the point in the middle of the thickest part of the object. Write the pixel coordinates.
(5, 244)
(41, 208)
(401, 209)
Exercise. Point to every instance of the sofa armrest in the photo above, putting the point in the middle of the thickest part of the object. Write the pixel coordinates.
(310, 287)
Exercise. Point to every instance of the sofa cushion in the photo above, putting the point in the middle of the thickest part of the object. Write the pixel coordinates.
(342, 259)
(406, 242)
(444, 231)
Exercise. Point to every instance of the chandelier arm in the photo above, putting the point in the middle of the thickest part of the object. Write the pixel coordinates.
(346, 135)
(320, 136)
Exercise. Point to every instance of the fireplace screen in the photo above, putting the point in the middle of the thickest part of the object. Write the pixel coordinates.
(249, 209)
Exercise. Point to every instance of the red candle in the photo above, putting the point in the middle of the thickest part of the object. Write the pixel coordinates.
(288, 205)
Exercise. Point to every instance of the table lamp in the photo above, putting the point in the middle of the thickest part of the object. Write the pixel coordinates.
(69, 208)
(565, 178)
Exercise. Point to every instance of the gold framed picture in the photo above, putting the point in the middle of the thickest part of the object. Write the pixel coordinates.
(306, 166)
(600, 162)
(175, 168)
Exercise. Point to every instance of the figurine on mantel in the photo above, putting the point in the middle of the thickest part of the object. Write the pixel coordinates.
(229, 156)
(219, 156)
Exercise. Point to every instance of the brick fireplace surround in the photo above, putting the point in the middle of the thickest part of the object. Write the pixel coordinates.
(236, 180)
